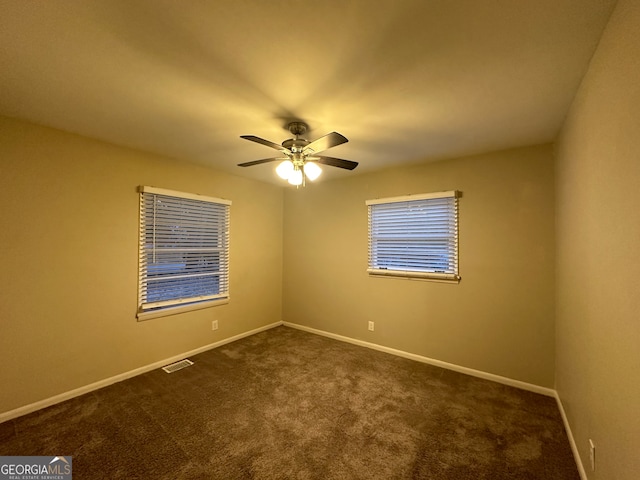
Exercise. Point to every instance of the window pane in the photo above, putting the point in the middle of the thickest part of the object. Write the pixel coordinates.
(414, 235)
(183, 250)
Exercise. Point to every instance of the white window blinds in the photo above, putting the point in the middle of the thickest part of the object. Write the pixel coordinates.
(184, 249)
(415, 236)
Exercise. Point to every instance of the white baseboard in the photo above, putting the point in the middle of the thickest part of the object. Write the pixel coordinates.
(18, 412)
(438, 363)
(572, 441)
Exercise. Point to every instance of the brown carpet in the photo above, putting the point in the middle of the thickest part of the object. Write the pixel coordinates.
(286, 404)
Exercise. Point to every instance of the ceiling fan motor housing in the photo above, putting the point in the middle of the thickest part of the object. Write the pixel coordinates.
(296, 145)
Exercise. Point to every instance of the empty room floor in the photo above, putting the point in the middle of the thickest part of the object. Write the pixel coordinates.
(286, 404)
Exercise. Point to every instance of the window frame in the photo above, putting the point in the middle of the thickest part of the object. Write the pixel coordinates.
(451, 273)
(171, 306)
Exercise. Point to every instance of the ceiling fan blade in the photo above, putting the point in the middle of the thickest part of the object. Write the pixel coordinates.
(332, 139)
(262, 141)
(258, 162)
(336, 162)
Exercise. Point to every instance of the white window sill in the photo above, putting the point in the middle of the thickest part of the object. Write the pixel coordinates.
(428, 276)
(165, 312)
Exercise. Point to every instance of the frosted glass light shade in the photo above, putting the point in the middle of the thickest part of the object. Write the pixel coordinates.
(295, 178)
(284, 169)
(312, 170)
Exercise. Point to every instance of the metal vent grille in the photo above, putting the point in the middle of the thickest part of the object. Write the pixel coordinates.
(174, 367)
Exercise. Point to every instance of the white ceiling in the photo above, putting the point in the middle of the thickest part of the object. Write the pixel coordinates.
(405, 80)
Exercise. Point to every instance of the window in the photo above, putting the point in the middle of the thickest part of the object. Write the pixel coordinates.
(184, 251)
(414, 236)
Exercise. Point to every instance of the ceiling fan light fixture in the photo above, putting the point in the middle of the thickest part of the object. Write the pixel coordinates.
(285, 169)
(295, 178)
(312, 170)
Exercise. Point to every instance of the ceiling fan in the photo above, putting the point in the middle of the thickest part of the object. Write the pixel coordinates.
(299, 159)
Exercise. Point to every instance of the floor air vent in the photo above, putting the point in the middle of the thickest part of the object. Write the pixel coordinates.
(174, 367)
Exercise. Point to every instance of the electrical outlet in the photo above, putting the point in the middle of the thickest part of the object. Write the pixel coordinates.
(371, 326)
(214, 325)
(592, 455)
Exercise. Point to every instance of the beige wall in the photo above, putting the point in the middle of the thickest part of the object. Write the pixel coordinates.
(499, 319)
(68, 281)
(598, 222)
